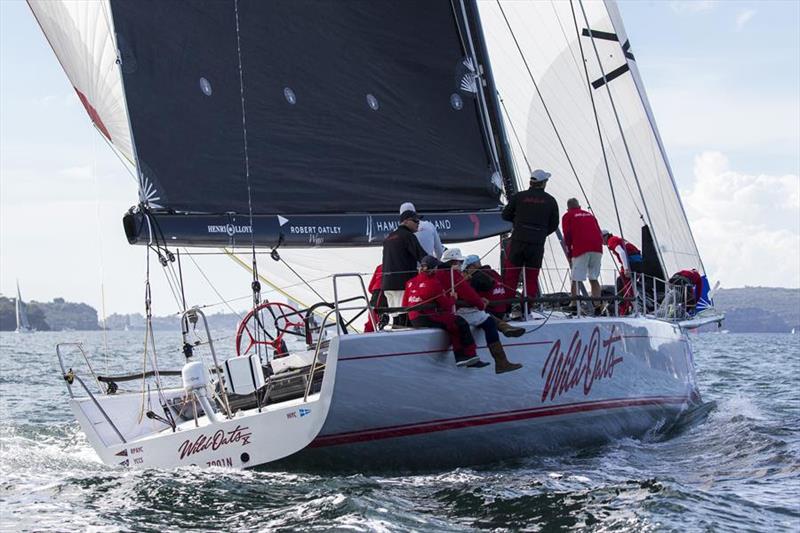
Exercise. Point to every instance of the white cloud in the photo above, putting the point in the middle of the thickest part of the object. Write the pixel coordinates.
(747, 227)
(692, 6)
(743, 17)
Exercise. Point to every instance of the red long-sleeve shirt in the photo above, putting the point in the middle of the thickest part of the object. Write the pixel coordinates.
(464, 290)
(614, 243)
(581, 232)
(696, 279)
(375, 282)
(425, 288)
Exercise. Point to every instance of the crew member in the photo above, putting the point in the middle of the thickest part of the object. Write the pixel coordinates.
(693, 281)
(377, 300)
(427, 234)
(401, 252)
(472, 307)
(583, 243)
(435, 311)
(534, 214)
(630, 260)
(628, 255)
(488, 284)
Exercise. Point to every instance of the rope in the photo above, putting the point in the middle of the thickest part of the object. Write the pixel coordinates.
(223, 300)
(597, 122)
(621, 132)
(546, 109)
(255, 285)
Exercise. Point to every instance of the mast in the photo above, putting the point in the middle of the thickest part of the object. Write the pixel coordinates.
(492, 102)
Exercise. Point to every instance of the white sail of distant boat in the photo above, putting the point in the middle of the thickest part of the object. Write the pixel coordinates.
(289, 133)
(23, 324)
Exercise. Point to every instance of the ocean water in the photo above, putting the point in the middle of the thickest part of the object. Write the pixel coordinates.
(739, 470)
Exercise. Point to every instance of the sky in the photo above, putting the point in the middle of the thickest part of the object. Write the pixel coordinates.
(723, 79)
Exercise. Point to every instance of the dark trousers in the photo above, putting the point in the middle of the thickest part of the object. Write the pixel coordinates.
(527, 255)
(489, 327)
(456, 327)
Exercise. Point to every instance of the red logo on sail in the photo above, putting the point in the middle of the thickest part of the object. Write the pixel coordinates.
(219, 439)
(580, 364)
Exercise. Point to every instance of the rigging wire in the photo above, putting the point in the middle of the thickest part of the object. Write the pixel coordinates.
(255, 284)
(223, 300)
(621, 130)
(100, 251)
(589, 89)
(469, 49)
(597, 122)
(544, 104)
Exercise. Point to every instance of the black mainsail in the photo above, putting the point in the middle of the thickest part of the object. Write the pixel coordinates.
(349, 109)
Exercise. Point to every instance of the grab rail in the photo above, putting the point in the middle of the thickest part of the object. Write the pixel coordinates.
(320, 338)
(336, 277)
(78, 345)
(186, 318)
(71, 375)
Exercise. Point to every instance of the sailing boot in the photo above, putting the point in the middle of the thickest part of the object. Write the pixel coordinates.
(508, 330)
(465, 360)
(501, 362)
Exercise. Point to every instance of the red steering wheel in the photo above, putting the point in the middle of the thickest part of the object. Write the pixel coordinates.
(266, 326)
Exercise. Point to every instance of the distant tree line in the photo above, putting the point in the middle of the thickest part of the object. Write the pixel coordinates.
(748, 310)
(57, 315)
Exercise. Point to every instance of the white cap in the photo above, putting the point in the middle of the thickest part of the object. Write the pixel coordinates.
(452, 254)
(407, 206)
(540, 175)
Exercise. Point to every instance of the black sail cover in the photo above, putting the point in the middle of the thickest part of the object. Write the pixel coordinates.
(349, 108)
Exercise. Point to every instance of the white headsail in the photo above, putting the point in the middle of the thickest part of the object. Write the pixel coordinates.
(538, 51)
(81, 35)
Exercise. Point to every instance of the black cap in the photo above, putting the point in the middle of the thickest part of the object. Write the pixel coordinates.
(405, 215)
(429, 262)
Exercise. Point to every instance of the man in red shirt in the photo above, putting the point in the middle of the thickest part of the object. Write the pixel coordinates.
(436, 311)
(630, 260)
(584, 245)
(377, 299)
(693, 282)
(628, 255)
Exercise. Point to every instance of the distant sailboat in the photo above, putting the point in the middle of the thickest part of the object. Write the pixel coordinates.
(23, 325)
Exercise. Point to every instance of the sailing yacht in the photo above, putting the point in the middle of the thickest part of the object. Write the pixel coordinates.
(21, 312)
(286, 134)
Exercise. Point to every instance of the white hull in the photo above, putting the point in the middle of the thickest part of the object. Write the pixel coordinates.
(397, 399)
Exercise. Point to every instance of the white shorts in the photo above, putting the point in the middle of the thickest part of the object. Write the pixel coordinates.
(473, 316)
(586, 264)
(394, 299)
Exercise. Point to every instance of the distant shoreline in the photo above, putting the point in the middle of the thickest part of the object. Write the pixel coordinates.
(747, 310)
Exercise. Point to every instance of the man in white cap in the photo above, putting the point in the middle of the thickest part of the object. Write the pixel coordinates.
(534, 214)
(426, 234)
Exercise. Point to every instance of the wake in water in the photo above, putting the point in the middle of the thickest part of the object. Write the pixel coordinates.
(735, 467)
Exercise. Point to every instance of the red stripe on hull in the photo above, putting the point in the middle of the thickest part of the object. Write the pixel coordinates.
(428, 352)
(446, 424)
